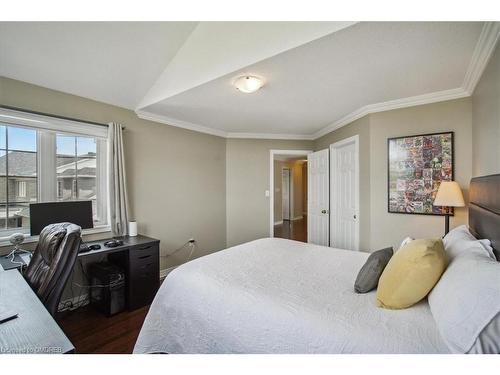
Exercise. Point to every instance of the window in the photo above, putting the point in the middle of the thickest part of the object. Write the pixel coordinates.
(18, 163)
(40, 163)
(76, 169)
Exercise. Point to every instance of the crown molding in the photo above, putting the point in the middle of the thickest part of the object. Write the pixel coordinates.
(302, 137)
(179, 123)
(434, 97)
(482, 52)
(145, 115)
(481, 55)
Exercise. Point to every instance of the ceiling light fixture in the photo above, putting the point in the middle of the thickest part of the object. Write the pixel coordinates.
(248, 84)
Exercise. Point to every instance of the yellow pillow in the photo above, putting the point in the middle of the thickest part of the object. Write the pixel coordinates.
(411, 274)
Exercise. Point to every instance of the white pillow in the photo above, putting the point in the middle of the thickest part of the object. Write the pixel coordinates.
(460, 240)
(465, 303)
(487, 245)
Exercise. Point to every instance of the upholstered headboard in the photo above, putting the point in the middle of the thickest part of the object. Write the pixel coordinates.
(484, 209)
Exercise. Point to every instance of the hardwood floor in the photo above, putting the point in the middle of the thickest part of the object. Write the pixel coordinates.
(292, 230)
(92, 333)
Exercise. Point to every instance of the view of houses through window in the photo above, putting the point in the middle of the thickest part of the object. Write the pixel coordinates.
(76, 172)
(18, 175)
(76, 168)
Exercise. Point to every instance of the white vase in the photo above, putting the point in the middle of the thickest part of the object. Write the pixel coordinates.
(132, 228)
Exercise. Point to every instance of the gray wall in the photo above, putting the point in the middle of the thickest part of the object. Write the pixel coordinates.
(486, 120)
(176, 177)
(247, 179)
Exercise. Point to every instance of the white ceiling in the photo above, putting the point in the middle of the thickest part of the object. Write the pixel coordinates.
(318, 76)
(112, 62)
(215, 48)
(317, 83)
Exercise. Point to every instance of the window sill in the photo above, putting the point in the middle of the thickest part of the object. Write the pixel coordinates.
(31, 239)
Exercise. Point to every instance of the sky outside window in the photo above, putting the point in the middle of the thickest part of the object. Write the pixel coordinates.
(84, 146)
(19, 139)
(66, 145)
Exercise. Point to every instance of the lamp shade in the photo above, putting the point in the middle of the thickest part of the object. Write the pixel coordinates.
(449, 194)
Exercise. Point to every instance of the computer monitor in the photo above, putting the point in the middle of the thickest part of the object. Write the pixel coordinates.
(76, 212)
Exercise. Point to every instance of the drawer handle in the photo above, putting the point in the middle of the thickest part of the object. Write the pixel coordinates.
(145, 256)
(145, 247)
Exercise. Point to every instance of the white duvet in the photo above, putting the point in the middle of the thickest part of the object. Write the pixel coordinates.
(279, 296)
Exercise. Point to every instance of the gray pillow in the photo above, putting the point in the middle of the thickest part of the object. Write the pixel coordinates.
(369, 274)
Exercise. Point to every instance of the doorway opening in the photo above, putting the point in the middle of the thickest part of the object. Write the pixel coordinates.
(288, 194)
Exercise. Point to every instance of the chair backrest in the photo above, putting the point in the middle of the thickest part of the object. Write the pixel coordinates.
(53, 261)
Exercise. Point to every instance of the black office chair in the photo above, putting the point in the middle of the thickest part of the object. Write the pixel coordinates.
(53, 261)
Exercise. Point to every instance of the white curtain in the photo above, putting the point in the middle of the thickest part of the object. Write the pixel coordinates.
(117, 181)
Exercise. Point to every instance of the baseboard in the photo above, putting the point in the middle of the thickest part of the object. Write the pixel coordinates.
(166, 271)
(278, 222)
(298, 217)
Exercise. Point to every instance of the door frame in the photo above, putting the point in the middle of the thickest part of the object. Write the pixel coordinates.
(272, 153)
(290, 195)
(333, 155)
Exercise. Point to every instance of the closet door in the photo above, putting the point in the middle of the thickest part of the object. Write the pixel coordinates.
(318, 198)
(344, 194)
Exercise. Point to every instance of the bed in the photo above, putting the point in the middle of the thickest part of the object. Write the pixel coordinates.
(280, 296)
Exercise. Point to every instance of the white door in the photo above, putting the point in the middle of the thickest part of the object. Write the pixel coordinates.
(285, 191)
(344, 184)
(318, 198)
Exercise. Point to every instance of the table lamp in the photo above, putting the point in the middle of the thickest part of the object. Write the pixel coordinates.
(449, 194)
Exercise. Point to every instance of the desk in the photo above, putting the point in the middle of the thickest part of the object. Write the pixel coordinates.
(140, 259)
(34, 330)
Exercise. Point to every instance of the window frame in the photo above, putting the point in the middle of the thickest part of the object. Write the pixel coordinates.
(47, 130)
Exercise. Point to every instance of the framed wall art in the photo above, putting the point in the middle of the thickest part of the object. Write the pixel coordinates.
(416, 166)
